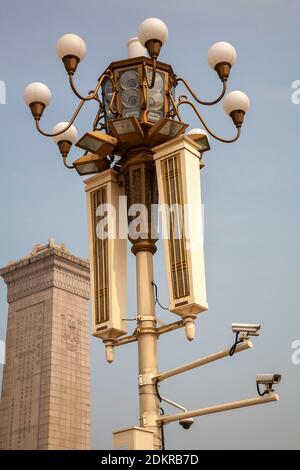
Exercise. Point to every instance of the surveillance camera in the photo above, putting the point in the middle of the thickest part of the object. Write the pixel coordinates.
(186, 423)
(246, 329)
(268, 379)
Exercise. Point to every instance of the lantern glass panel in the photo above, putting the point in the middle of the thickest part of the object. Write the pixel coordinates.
(172, 110)
(156, 97)
(130, 93)
(107, 91)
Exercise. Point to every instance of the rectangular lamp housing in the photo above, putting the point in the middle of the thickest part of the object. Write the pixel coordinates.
(90, 164)
(97, 142)
(166, 129)
(108, 256)
(178, 173)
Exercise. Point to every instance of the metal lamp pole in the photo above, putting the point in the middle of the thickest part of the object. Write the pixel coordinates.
(141, 187)
(147, 346)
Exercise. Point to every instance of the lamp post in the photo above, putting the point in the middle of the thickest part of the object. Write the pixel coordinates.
(137, 127)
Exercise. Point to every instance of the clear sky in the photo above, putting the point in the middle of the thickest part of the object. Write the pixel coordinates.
(250, 191)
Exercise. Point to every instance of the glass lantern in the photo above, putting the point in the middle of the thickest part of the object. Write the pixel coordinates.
(133, 98)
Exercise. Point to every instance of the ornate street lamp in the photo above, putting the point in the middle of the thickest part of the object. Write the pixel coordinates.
(136, 97)
(136, 148)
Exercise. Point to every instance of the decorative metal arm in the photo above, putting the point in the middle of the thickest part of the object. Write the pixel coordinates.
(205, 103)
(70, 167)
(97, 120)
(151, 85)
(176, 112)
(111, 103)
(183, 100)
(55, 134)
(94, 93)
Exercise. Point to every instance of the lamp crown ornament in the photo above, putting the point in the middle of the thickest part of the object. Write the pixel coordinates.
(135, 48)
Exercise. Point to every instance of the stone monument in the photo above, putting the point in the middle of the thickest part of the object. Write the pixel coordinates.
(45, 401)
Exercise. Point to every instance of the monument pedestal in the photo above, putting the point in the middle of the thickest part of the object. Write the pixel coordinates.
(45, 401)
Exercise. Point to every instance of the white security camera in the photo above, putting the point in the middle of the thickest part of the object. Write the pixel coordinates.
(246, 329)
(186, 423)
(268, 379)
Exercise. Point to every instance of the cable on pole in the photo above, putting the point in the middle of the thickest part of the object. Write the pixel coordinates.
(162, 431)
(233, 349)
(156, 296)
(259, 392)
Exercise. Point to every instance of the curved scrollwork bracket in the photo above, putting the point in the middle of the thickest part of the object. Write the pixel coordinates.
(196, 98)
(93, 93)
(183, 100)
(70, 167)
(55, 134)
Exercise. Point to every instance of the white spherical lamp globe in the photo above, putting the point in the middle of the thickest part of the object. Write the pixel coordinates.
(236, 101)
(221, 52)
(71, 135)
(37, 93)
(152, 29)
(71, 45)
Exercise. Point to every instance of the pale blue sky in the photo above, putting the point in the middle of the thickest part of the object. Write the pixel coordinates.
(250, 191)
